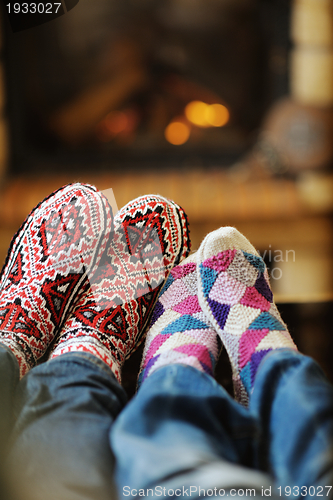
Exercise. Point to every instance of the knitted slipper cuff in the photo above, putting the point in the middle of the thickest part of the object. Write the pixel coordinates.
(87, 340)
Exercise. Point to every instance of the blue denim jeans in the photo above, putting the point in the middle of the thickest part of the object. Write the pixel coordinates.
(182, 435)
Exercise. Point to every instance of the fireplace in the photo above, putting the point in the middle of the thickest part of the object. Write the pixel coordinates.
(108, 85)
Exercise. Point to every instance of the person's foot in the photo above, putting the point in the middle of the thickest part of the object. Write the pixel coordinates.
(50, 260)
(235, 295)
(151, 236)
(179, 331)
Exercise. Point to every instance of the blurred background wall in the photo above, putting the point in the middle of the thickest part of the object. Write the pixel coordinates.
(224, 106)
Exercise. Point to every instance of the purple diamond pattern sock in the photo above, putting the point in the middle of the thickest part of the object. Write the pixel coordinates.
(179, 331)
(235, 295)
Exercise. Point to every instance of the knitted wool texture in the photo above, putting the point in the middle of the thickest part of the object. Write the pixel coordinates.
(234, 293)
(179, 331)
(49, 262)
(151, 236)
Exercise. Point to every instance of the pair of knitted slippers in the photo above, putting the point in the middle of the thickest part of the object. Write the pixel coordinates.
(220, 292)
(75, 279)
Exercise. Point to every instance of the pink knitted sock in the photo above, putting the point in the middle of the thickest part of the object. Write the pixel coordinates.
(179, 331)
(234, 293)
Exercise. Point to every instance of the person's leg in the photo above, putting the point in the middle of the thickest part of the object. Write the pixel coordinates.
(63, 410)
(64, 407)
(49, 263)
(59, 446)
(293, 403)
(177, 422)
(288, 394)
(9, 379)
(182, 429)
(182, 432)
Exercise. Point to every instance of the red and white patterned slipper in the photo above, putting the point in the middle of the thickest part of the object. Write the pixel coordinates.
(50, 260)
(151, 236)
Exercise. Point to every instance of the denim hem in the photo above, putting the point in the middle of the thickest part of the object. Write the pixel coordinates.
(84, 358)
(187, 368)
(276, 352)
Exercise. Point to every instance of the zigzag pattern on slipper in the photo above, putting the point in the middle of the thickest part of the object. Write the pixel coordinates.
(51, 257)
(151, 236)
(234, 293)
(179, 331)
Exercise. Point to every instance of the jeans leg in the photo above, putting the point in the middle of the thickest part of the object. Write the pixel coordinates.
(9, 379)
(183, 430)
(60, 448)
(293, 402)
